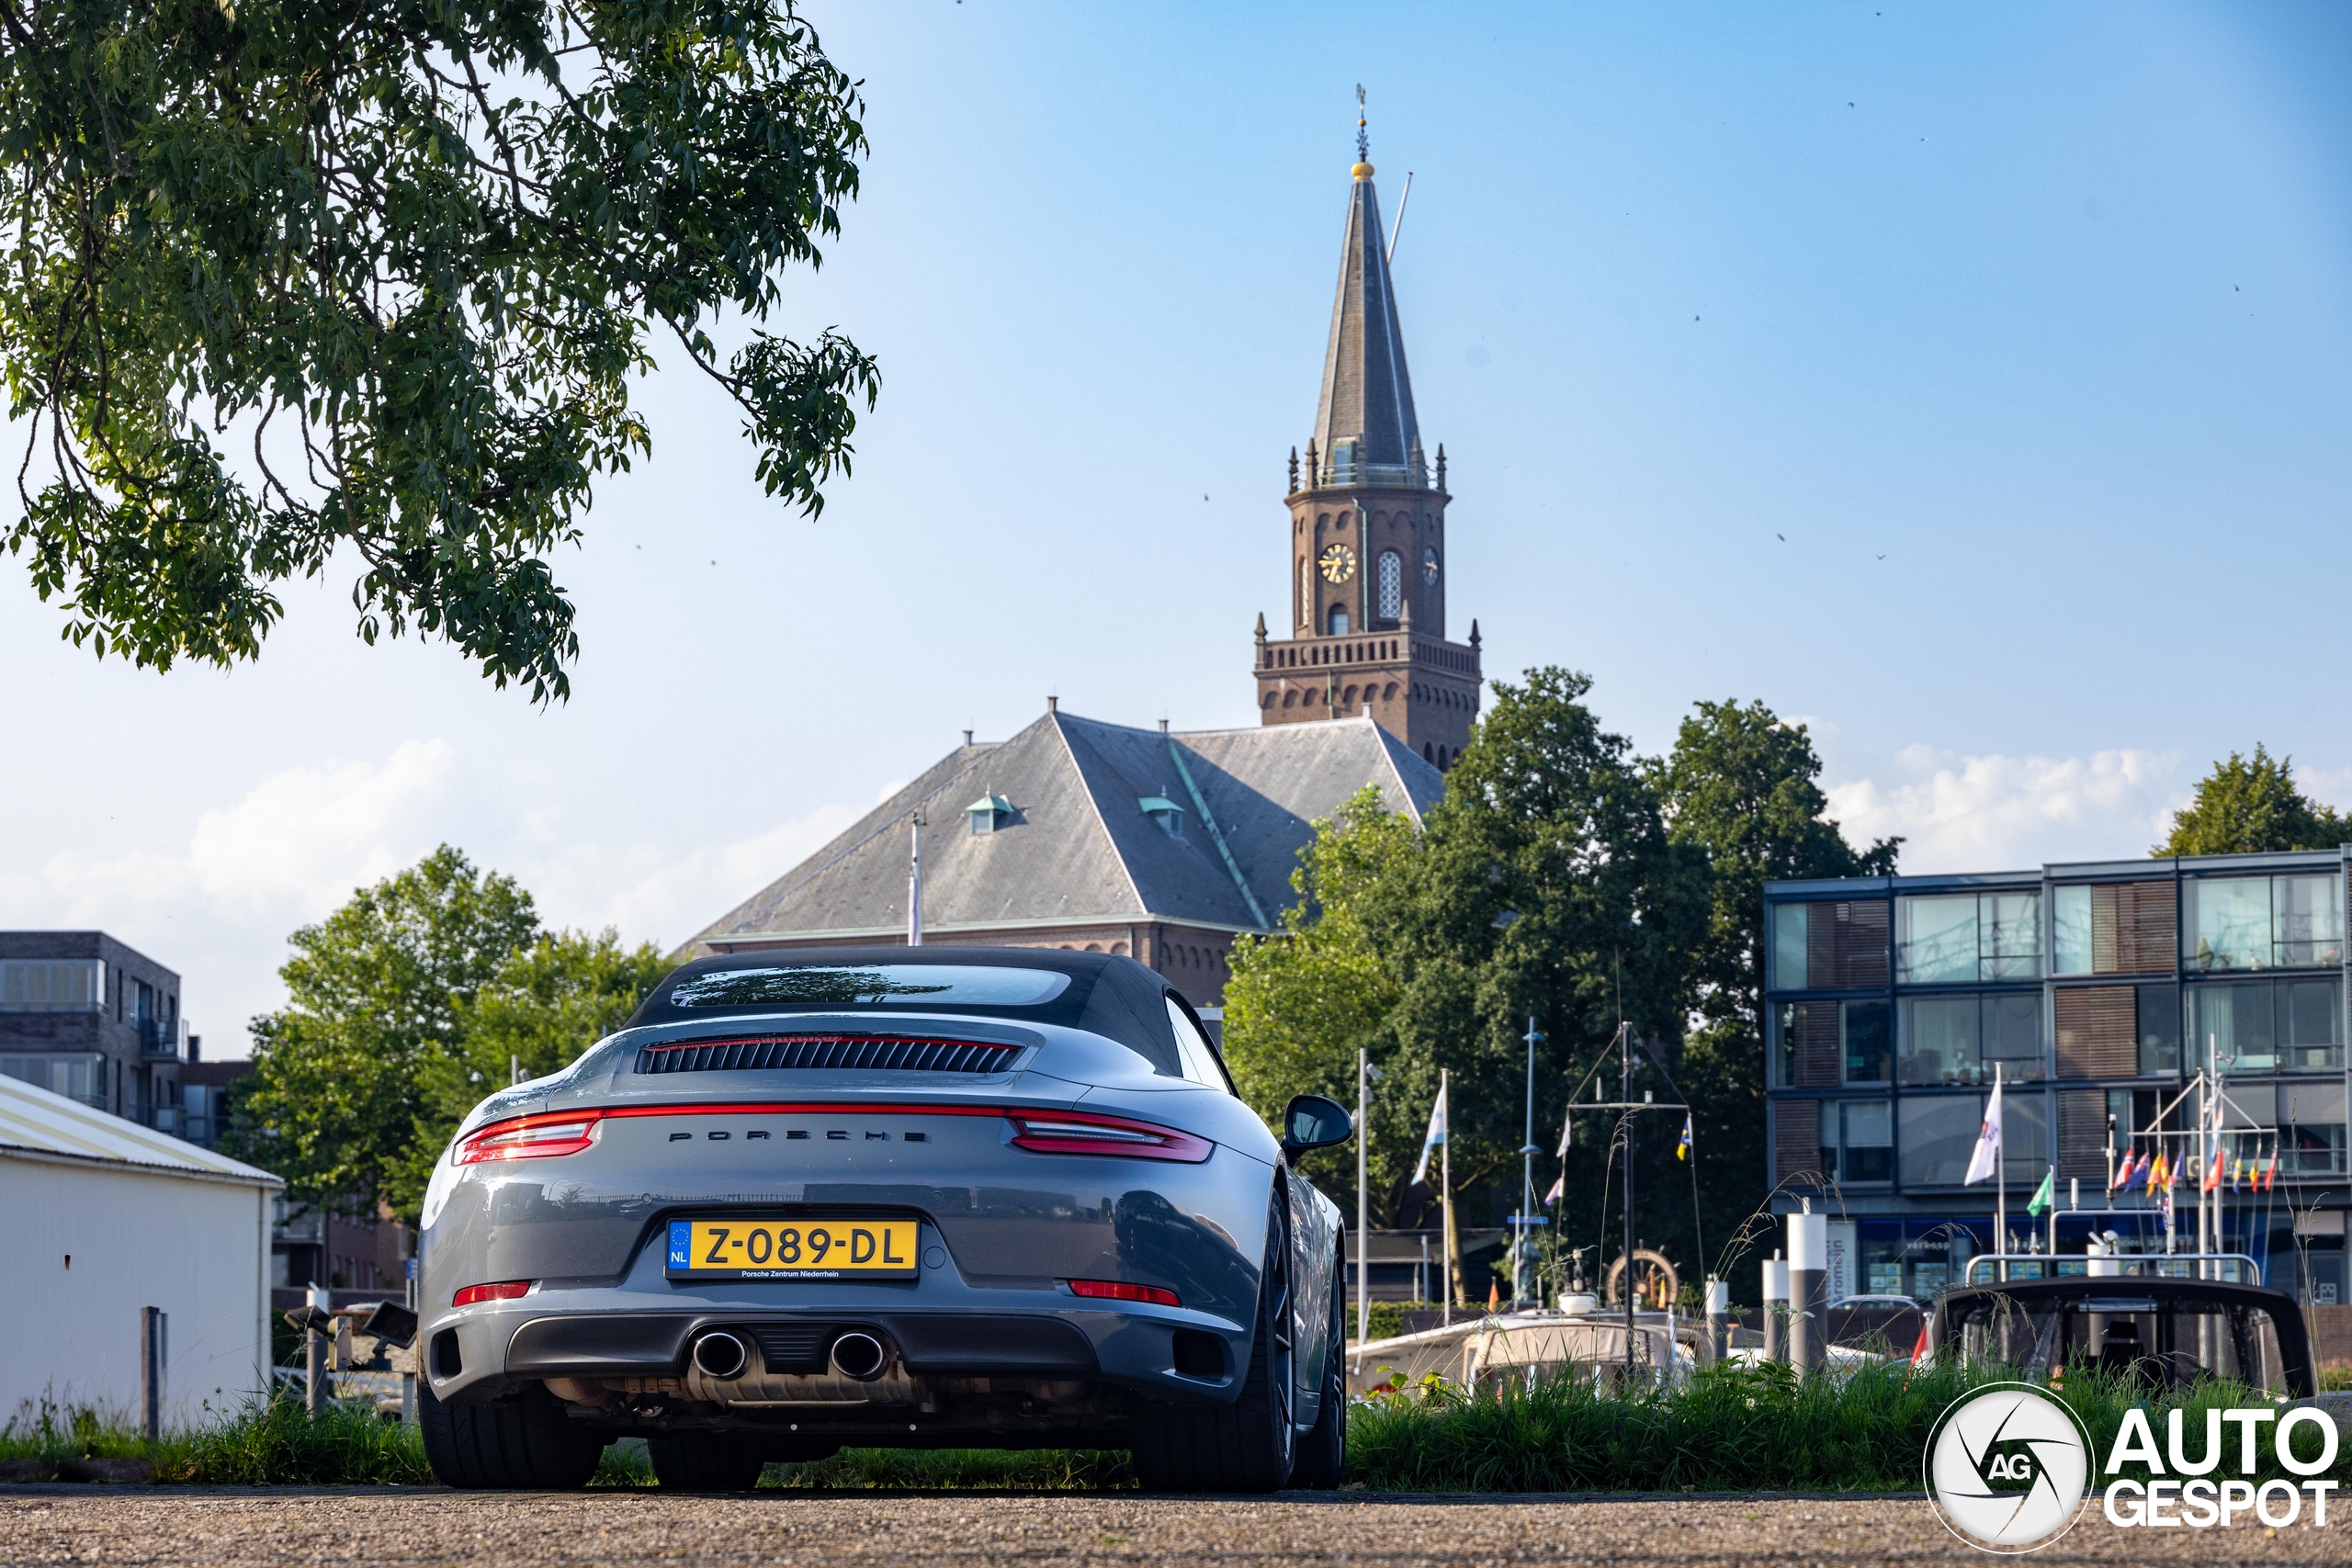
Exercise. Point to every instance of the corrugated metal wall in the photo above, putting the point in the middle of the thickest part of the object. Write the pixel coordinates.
(195, 1249)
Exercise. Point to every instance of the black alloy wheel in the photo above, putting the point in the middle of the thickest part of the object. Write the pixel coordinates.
(1250, 1444)
(1322, 1462)
(522, 1443)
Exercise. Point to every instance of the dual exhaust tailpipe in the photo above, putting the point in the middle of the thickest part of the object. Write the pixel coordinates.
(855, 1354)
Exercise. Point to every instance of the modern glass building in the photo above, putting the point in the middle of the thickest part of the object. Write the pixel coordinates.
(2098, 990)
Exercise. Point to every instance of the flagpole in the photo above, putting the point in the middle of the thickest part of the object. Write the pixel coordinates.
(914, 885)
(2001, 1182)
(1445, 1193)
(1363, 1208)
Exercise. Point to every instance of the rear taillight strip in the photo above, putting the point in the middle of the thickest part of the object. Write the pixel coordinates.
(550, 1133)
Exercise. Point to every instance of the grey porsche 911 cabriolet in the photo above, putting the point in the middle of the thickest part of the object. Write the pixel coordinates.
(913, 1197)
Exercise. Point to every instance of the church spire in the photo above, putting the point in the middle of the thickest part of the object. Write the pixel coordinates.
(1365, 423)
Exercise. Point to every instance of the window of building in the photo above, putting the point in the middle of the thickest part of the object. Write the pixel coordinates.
(1391, 581)
(52, 986)
(1938, 1134)
(1338, 623)
(2267, 1026)
(1818, 1045)
(1956, 1040)
(1865, 1042)
(1966, 938)
(2070, 930)
(2264, 923)
(1829, 945)
(1865, 1132)
(76, 1078)
(2157, 1021)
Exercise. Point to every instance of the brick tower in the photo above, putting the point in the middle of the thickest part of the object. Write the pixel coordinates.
(1368, 557)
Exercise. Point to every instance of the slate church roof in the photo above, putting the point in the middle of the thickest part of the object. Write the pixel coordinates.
(1079, 844)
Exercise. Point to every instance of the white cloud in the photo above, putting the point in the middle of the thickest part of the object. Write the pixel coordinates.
(1996, 812)
(296, 843)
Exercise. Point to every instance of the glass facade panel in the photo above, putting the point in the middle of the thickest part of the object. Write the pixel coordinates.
(1938, 1134)
(2009, 936)
(1868, 1154)
(2070, 933)
(2265, 1026)
(52, 986)
(1866, 1033)
(1788, 947)
(2308, 912)
(1952, 1041)
(1963, 939)
(2236, 1031)
(2229, 922)
(2158, 1009)
(1935, 941)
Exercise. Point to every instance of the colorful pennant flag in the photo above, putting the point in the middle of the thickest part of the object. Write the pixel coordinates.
(2046, 1195)
(1682, 1149)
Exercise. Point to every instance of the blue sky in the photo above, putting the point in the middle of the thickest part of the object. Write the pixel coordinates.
(1972, 382)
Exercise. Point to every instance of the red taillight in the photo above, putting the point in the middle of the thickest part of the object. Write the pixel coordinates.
(530, 1137)
(504, 1291)
(1119, 1291)
(1080, 1132)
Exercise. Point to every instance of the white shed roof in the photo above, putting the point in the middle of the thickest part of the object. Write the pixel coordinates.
(37, 1123)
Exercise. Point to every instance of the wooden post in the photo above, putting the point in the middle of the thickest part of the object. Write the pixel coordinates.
(151, 1348)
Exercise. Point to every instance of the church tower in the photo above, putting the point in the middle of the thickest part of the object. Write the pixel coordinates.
(1368, 560)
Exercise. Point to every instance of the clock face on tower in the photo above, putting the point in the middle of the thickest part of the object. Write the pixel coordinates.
(1337, 562)
(1429, 564)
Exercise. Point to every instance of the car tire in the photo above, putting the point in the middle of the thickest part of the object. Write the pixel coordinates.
(1248, 1445)
(1322, 1462)
(705, 1462)
(524, 1443)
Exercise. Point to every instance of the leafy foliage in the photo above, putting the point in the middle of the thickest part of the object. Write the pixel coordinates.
(1565, 881)
(547, 1003)
(2248, 805)
(374, 990)
(1740, 786)
(406, 1007)
(403, 259)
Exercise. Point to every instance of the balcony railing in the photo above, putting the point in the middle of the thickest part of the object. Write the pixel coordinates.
(162, 1039)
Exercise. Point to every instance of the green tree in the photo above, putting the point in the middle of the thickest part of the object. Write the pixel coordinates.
(1550, 891)
(374, 991)
(1301, 1003)
(402, 261)
(2248, 805)
(547, 1004)
(1740, 786)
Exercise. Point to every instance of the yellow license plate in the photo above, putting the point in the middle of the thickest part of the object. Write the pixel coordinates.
(791, 1249)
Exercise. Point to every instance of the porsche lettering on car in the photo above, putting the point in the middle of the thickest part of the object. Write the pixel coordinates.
(916, 1197)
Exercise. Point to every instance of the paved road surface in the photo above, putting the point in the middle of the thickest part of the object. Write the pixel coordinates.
(221, 1529)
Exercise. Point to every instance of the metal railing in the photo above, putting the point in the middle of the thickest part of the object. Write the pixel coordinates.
(2121, 1266)
(162, 1038)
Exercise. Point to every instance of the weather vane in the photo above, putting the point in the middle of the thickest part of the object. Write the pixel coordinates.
(1364, 141)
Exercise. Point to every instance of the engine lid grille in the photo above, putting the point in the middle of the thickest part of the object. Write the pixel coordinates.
(870, 1052)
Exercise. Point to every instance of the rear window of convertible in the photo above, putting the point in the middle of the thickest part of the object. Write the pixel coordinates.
(932, 984)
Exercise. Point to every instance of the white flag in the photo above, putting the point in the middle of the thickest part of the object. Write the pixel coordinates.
(1986, 1161)
(1435, 1138)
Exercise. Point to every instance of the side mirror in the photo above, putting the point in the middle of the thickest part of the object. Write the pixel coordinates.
(1314, 1122)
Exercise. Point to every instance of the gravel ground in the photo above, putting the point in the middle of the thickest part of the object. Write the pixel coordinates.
(384, 1528)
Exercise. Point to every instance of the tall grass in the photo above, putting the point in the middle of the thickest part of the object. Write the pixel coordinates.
(257, 1443)
(1732, 1429)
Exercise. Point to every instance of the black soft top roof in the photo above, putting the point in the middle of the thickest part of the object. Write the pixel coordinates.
(2164, 1292)
(1107, 994)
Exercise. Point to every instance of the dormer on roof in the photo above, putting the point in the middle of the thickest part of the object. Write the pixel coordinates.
(989, 814)
(1165, 814)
